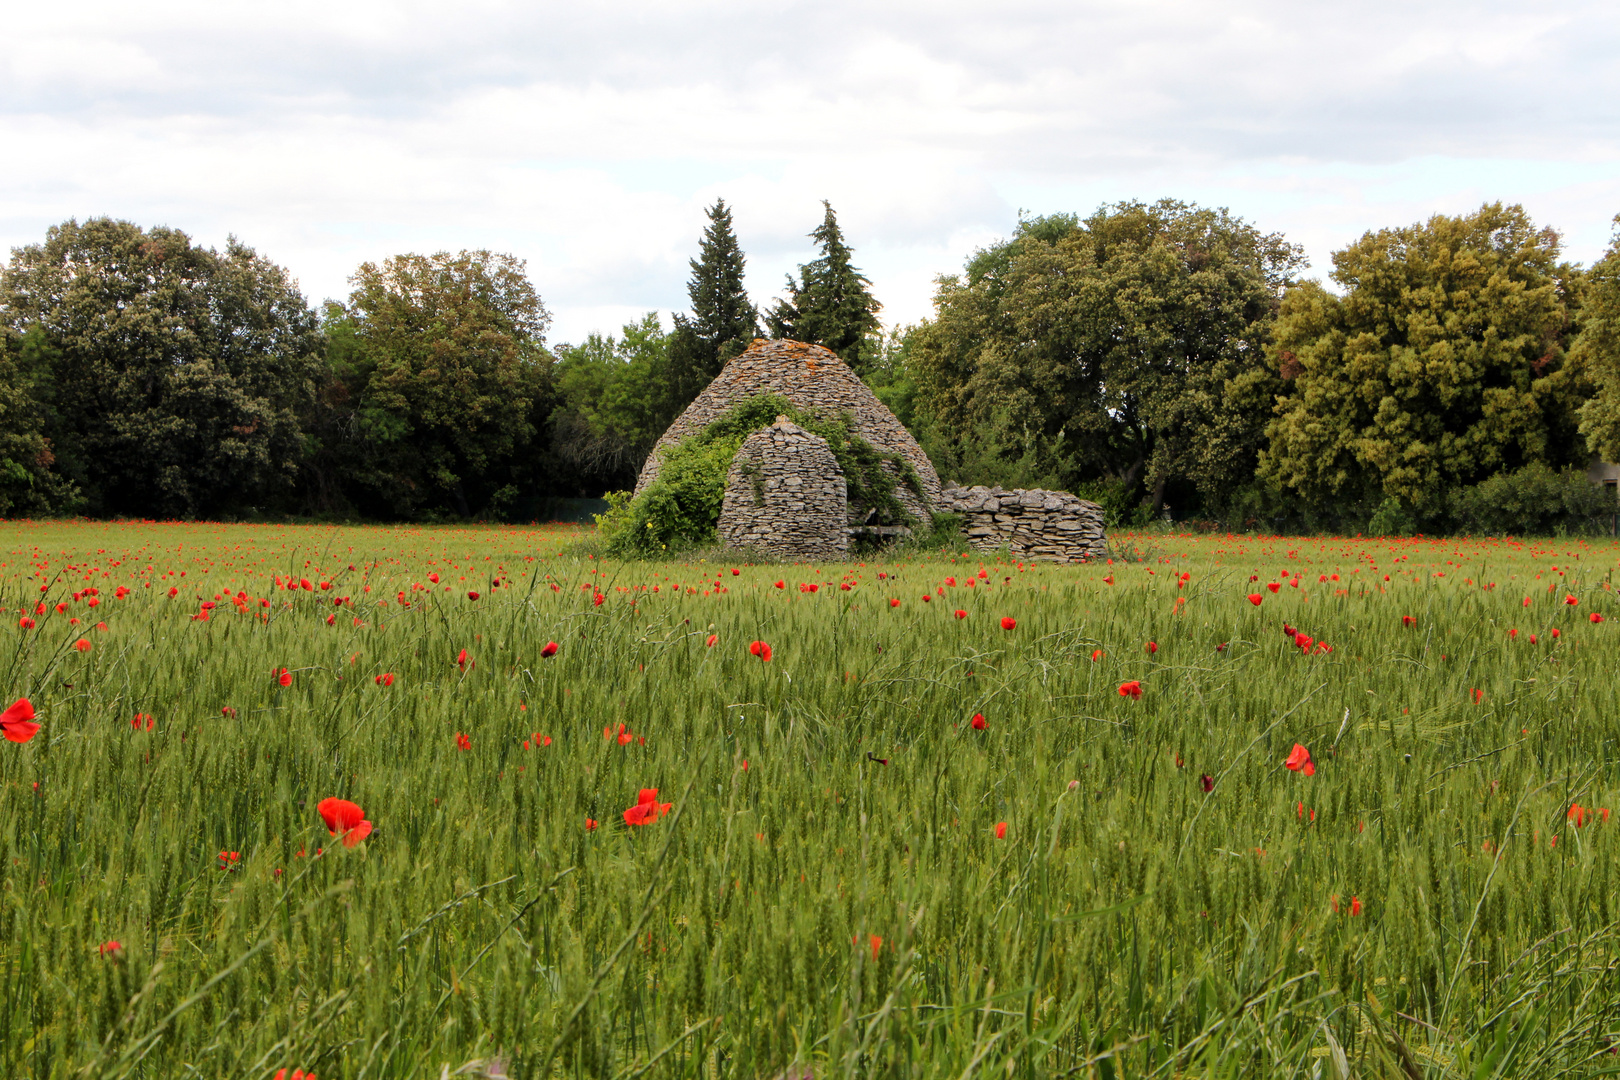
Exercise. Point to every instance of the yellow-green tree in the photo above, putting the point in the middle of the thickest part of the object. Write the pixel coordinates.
(1597, 350)
(1441, 364)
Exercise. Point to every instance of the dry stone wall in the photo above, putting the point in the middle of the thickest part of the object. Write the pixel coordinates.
(816, 380)
(786, 494)
(1041, 526)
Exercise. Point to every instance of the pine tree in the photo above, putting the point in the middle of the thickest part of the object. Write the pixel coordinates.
(723, 321)
(722, 315)
(831, 304)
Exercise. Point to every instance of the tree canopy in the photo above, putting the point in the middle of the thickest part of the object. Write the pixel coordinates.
(175, 375)
(1127, 347)
(444, 378)
(832, 303)
(1441, 364)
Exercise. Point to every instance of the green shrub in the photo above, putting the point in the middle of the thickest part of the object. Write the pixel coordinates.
(1535, 500)
(679, 510)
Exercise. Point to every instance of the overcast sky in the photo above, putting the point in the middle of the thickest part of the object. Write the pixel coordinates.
(587, 139)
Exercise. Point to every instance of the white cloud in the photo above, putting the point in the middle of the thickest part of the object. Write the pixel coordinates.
(588, 139)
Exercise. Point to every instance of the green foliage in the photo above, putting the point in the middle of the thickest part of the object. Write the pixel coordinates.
(172, 379)
(831, 304)
(724, 320)
(615, 398)
(1441, 364)
(442, 379)
(1596, 352)
(679, 509)
(1536, 500)
(1128, 346)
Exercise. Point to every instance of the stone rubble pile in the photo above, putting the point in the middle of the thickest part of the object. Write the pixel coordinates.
(1040, 526)
(786, 494)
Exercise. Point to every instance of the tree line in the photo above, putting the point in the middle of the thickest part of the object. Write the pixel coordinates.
(1162, 358)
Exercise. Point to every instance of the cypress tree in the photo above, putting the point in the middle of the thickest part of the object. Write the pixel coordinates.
(831, 304)
(723, 319)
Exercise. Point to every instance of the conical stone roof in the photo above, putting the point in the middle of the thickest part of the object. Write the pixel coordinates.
(816, 380)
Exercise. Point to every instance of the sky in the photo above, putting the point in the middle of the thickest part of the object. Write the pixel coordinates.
(588, 139)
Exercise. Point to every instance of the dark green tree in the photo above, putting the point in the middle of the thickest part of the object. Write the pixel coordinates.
(615, 399)
(438, 381)
(723, 320)
(174, 376)
(831, 304)
(1127, 348)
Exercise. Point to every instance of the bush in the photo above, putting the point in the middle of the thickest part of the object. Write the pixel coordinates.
(1535, 500)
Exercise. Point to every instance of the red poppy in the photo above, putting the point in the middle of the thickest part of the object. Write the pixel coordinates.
(549, 650)
(1273, 586)
(1109, 580)
(1355, 905)
(26, 623)
(284, 677)
(471, 595)
(1255, 598)
(978, 721)
(1557, 633)
(781, 584)
(1001, 830)
(385, 679)
(463, 742)
(173, 592)
(83, 645)
(1299, 760)
(1571, 601)
(711, 640)
(590, 824)
(143, 719)
(1207, 782)
(433, 578)
(462, 660)
(1151, 647)
(344, 818)
(111, 948)
(296, 1074)
(1008, 622)
(647, 809)
(1096, 654)
(1132, 689)
(1579, 814)
(1477, 695)
(1595, 617)
(960, 614)
(16, 723)
(735, 571)
(895, 601)
(761, 650)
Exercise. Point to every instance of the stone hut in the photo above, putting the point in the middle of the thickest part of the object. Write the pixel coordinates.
(785, 493)
(817, 381)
